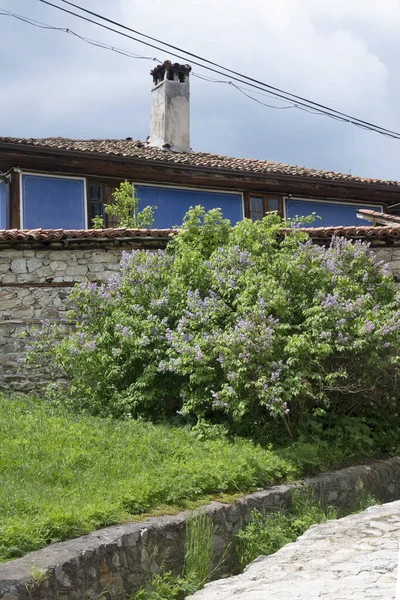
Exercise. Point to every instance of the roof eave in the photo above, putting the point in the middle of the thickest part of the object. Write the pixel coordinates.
(37, 150)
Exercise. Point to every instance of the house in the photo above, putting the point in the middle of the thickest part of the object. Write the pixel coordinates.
(58, 183)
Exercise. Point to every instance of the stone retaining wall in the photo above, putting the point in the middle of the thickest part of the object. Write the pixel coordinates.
(117, 560)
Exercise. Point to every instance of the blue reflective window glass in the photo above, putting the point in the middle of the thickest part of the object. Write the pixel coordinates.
(3, 205)
(53, 202)
(173, 203)
(331, 213)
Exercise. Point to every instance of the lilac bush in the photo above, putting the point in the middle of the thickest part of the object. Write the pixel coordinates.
(234, 325)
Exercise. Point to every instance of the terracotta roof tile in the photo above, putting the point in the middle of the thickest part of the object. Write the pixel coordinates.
(364, 232)
(135, 149)
(54, 235)
(375, 217)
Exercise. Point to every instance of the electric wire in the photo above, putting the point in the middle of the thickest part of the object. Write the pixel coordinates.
(90, 41)
(129, 54)
(337, 116)
(260, 90)
(294, 97)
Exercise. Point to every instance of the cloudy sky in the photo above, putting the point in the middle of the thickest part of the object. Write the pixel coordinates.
(343, 53)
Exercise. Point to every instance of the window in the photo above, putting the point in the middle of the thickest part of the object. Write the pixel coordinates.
(99, 194)
(51, 202)
(173, 203)
(330, 213)
(259, 204)
(3, 205)
(96, 200)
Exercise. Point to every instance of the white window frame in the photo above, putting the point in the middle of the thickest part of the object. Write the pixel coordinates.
(193, 189)
(50, 175)
(325, 201)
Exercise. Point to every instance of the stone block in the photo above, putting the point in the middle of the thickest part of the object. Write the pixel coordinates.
(58, 265)
(96, 268)
(18, 265)
(77, 270)
(33, 264)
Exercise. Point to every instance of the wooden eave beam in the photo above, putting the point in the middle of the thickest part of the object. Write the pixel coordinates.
(143, 170)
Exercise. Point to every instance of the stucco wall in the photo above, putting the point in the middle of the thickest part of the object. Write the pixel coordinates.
(117, 560)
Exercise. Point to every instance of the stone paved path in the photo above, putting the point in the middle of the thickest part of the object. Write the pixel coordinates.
(354, 558)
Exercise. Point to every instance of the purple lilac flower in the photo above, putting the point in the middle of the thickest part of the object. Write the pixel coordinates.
(368, 326)
(220, 404)
(275, 375)
(329, 301)
(123, 330)
(104, 293)
(199, 355)
(324, 335)
(90, 346)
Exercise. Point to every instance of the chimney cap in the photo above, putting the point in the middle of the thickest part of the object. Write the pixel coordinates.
(169, 66)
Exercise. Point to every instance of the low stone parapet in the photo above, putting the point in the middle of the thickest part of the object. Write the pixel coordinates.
(116, 561)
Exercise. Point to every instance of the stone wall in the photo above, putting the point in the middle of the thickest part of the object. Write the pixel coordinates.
(34, 285)
(117, 560)
(390, 255)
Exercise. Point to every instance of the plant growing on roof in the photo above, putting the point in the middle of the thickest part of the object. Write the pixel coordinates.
(239, 326)
(126, 209)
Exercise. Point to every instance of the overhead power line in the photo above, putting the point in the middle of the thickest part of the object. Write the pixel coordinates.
(300, 102)
(128, 54)
(41, 25)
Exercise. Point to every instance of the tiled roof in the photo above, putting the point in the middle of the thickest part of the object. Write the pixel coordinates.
(129, 148)
(55, 235)
(375, 217)
(365, 232)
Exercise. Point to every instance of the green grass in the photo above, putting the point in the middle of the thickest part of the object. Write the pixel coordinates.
(263, 535)
(198, 568)
(267, 533)
(63, 475)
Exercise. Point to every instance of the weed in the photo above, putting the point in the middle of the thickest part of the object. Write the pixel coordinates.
(364, 499)
(36, 578)
(198, 565)
(265, 534)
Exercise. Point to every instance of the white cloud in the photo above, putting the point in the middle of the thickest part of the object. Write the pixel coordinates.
(324, 50)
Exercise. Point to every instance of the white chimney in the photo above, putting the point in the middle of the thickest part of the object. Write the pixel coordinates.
(170, 127)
